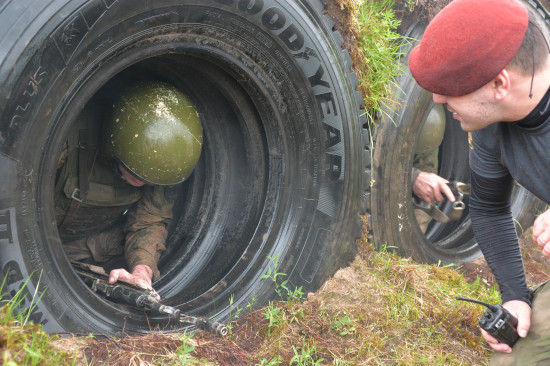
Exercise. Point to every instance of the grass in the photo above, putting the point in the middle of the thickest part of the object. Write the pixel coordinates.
(373, 25)
(23, 342)
(376, 55)
(382, 310)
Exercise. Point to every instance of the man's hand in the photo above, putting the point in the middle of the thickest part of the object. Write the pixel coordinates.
(430, 187)
(142, 276)
(520, 310)
(541, 233)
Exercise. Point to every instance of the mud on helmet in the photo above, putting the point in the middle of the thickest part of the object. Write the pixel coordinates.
(155, 132)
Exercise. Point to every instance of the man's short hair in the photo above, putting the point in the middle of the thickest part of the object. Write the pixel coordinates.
(534, 37)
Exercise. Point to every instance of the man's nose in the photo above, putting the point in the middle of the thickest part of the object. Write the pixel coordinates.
(438, 98)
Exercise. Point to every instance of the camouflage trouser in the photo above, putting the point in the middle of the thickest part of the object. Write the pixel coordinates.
(535, 348)
(96, 248)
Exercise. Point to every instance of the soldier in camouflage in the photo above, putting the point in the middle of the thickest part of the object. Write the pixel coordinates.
(116, 187)
(426, 184)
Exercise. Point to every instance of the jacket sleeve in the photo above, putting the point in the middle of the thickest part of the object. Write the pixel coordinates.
(495, 232)
(147, 227)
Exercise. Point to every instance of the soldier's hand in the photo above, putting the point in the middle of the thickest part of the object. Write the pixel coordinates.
(541, 233)
(520, 310)
(142, 275)
(431, 187)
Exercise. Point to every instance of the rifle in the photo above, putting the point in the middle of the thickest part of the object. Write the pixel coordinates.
(145, 299)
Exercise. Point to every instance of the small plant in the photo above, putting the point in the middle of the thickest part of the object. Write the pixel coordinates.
(274, 315)
(232, 307)
(273, 362)
(343, 325)
(296, 313)
(14, 304)
(183, 353)
(281, 288)
(295, 296)
(25, 343)
(306, 355)
(275, 276)
(238, 311)
(340, 362)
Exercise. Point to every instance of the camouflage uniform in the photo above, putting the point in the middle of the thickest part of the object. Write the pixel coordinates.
(428, 163)
(533, 350)
(114, 217)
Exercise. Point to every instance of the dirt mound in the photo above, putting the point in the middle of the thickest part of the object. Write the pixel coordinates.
(537, 268)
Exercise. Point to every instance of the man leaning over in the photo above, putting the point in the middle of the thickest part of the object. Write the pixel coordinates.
(488, 61)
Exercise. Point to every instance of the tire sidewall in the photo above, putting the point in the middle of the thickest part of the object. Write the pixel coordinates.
(314, 138)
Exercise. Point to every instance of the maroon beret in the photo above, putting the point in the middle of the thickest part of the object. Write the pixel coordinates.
(467, 44)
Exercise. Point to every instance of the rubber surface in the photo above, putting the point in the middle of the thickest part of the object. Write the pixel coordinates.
(281, 176)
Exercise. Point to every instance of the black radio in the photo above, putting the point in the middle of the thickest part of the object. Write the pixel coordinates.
(498, 322)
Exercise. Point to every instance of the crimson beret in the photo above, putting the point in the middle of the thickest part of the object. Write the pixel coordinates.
(467, 44)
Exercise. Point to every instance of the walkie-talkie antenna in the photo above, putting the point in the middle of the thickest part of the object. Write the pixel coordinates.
(492, 307)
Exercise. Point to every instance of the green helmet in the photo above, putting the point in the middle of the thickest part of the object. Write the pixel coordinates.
(155, 132)
(432, 132)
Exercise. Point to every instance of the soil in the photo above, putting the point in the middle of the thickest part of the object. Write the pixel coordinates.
(537, 268)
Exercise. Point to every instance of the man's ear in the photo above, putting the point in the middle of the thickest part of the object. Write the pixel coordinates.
(500, 85)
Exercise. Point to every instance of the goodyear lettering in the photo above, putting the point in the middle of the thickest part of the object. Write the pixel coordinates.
(326, 101)
(316, 79)
(251, 7)
(293, 39)
(273, 19)
(334, 163)
(333, 135)
(276, 20)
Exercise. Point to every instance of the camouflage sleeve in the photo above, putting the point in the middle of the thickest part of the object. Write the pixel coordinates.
(147, 227)
(414, 175)
(427, 162)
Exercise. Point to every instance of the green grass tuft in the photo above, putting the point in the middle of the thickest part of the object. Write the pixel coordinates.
(379, 44)
(23, 342)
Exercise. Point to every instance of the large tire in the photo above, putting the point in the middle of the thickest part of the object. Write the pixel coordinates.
(393, 222)
(281, 170)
